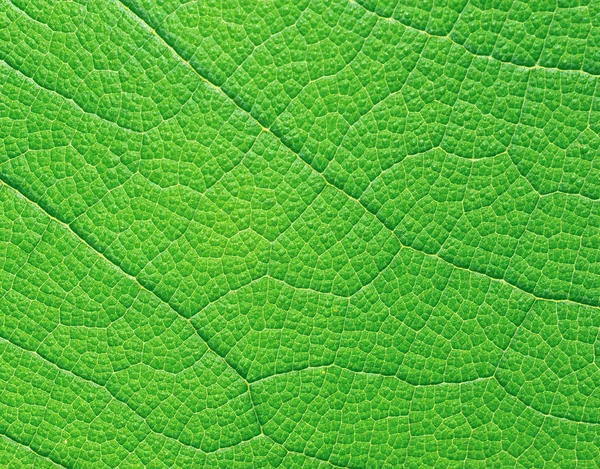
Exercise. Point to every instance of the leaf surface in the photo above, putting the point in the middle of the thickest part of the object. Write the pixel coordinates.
(299, 234)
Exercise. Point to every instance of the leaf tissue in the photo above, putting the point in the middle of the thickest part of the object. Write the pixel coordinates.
(299, 234)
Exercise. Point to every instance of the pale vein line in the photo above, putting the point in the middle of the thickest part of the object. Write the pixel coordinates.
(372, 374)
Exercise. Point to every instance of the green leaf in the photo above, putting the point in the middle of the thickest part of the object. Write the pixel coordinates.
(299, 234)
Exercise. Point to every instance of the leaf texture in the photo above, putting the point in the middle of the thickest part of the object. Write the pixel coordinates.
(299, 234)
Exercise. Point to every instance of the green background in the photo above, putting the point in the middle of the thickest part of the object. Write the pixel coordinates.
(299, 234)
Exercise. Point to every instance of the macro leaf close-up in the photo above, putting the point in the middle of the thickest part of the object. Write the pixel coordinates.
(299, 234)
